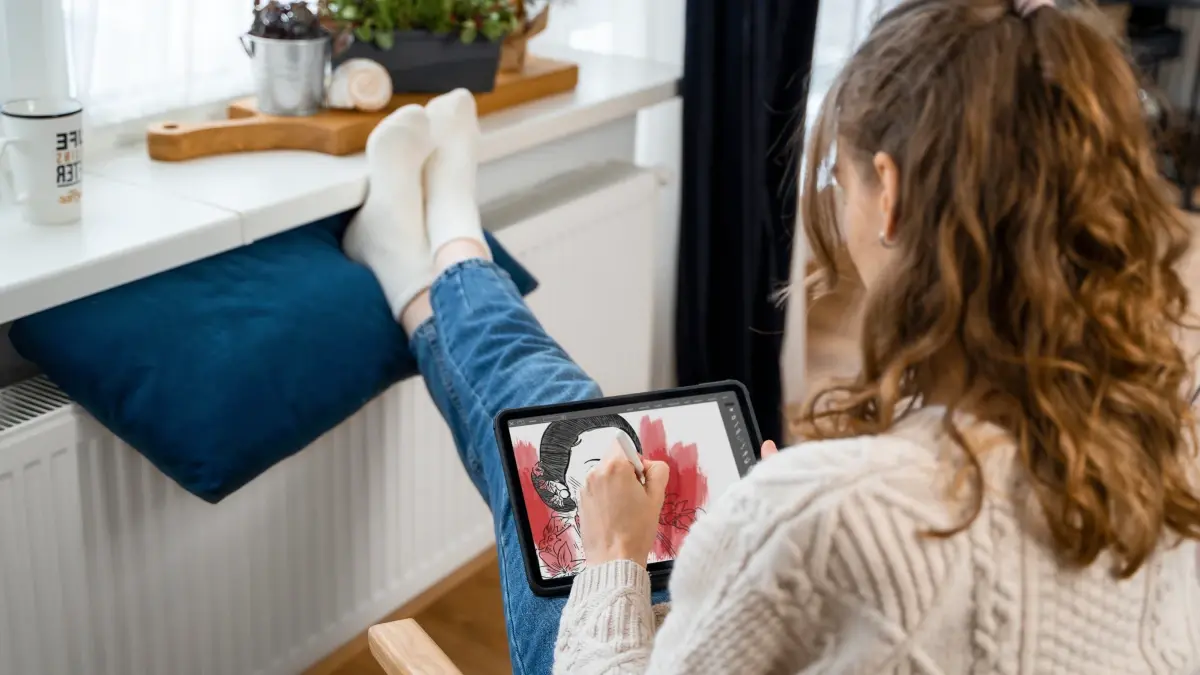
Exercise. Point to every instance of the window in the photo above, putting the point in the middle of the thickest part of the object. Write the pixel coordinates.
(639, 28)
(841, 26)
(130, 59)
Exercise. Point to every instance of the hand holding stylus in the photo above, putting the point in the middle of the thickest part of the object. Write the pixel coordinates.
(620, 502)
(618, 513)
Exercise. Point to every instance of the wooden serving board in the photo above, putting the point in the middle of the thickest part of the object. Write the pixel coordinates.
(337, 132)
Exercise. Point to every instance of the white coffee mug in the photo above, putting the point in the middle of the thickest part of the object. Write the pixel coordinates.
(43, 140)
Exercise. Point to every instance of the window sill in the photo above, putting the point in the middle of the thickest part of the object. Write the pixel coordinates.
(143, 217)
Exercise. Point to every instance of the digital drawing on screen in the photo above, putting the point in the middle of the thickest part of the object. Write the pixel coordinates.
(553, 461)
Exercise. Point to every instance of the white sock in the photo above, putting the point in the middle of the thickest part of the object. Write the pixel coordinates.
(450, 209)
(388, 233)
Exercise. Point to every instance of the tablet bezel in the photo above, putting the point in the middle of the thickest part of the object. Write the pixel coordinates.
(659, 572)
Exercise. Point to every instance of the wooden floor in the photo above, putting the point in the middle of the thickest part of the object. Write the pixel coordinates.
(467, 623)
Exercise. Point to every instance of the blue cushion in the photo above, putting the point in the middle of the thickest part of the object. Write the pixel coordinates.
(219, 369)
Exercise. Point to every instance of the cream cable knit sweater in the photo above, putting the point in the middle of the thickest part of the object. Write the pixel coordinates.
(813, 564)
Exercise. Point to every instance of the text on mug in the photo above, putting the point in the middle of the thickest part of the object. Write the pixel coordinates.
(68, 170)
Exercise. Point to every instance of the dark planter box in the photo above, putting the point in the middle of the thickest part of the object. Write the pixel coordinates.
(423, 63)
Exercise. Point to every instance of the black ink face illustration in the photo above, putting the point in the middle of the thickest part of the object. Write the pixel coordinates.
(568, 450)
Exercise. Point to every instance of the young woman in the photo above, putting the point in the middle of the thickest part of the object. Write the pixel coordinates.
(1010, 486)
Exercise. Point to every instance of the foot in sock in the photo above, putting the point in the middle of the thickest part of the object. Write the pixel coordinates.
(451, 213)
(388, 234)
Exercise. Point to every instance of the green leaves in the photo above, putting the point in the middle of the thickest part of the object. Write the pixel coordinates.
(385, 39)
(376, 21)
(432, 15)
(493, 19)
(494, 28)
(470, 31)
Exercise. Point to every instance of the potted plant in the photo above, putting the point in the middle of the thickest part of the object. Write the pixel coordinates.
(289, 54)
(427, 46)
(532, 16)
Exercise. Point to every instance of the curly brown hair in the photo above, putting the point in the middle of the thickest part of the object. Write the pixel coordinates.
(1037, 243)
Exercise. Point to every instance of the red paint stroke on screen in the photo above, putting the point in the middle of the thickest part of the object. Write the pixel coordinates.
(687, 489)
(527, 456)
(554, 534)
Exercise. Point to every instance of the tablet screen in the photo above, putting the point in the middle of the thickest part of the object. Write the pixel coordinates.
(702, 438)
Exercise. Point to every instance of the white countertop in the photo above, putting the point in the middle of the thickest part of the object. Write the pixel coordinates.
(141, 217)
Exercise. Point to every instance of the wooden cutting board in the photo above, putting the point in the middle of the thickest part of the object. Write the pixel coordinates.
(337, 132)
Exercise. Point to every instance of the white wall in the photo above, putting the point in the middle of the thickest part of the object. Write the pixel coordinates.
(652, 30)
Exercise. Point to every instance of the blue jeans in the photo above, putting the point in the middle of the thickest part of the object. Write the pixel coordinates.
(483, 351)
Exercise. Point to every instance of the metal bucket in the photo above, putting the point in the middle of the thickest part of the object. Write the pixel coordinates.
(289, 75)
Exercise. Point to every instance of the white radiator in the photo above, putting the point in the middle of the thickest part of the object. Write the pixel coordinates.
(107, 567)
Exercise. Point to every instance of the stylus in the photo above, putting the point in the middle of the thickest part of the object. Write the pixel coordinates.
(632, 455)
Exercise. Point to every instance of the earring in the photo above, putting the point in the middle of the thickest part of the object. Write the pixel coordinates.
(884, 241)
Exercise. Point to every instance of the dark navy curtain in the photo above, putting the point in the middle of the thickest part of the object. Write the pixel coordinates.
(746, 69)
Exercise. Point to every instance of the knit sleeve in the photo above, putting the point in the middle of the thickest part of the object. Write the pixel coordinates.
(609, 623)
(744, 595)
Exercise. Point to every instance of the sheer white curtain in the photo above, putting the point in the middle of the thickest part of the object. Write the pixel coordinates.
(652, 30)
(32, 59)
(131, 59)
(649, 30)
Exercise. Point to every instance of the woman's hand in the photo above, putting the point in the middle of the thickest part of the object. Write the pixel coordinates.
(618, 516)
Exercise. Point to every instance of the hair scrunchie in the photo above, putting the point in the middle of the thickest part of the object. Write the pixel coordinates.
(1026, 7)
